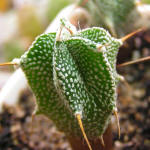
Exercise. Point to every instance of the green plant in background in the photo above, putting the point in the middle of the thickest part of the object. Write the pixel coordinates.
(120, 17)
(112, 15)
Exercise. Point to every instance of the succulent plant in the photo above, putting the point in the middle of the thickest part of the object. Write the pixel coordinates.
(74, 79)
(73, 73)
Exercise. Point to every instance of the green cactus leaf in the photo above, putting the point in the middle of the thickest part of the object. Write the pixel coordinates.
(38, 68)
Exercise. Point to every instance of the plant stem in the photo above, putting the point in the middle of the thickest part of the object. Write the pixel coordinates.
(80, 144)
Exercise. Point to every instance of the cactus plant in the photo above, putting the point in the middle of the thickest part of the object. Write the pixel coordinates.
(73, 74)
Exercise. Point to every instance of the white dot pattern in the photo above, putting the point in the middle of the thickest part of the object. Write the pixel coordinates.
(73, 76)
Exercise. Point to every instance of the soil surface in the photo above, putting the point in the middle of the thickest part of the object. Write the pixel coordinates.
(19, 132)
